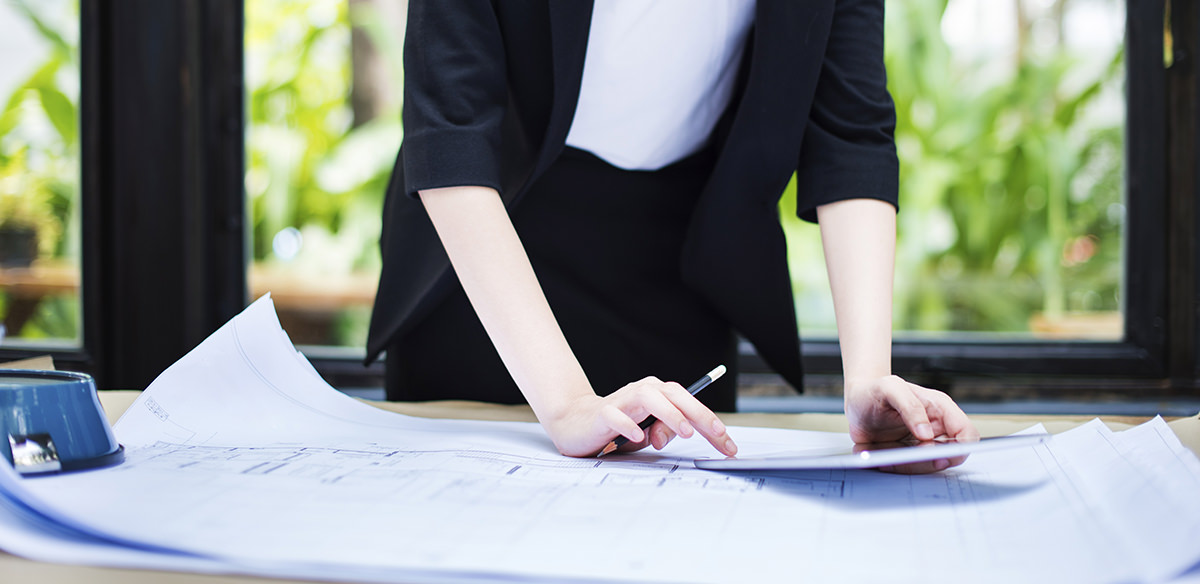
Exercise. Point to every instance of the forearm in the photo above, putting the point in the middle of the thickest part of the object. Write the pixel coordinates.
(499, 281)
(859, 239)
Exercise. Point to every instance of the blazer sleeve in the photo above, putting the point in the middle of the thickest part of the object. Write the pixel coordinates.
(849, 148)
(455, 93)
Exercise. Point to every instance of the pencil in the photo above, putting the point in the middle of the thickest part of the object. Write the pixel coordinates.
(693, 389)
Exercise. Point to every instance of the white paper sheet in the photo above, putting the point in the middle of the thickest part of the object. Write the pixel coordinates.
(240, 458)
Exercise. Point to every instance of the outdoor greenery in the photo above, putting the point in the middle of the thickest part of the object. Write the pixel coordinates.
(309, 167)
(314, 178)
(1011, 187)
(39, 157)
(1011, 184)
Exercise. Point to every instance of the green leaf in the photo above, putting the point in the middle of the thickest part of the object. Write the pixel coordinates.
(9, 120)
(53, 36)
(61, 112)
(44, 76)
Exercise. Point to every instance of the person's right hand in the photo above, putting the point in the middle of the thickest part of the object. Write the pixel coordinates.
(588, 423)
(497, 276)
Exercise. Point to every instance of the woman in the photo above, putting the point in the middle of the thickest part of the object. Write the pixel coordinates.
(603, 181)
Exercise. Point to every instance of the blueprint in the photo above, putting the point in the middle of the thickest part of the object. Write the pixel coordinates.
(239, 458)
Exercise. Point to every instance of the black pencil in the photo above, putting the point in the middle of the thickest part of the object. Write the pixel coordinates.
(693, 389)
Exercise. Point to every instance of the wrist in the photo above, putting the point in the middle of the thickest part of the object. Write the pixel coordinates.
(861, 385)
(861, 379)
(555, 400)
(564, 425)
(865, 365)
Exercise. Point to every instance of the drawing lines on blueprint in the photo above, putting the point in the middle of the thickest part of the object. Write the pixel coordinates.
(367, 463)
(174, 429)
(433, 503)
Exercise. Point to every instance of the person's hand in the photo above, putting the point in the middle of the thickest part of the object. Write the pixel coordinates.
(890, 409)
(589, 423)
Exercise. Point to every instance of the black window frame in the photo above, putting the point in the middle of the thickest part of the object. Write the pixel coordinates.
(165, 253)
(162, 149)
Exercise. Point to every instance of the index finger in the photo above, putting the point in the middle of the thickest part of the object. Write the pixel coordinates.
(901, 396)
(955, 423)
(703, 419)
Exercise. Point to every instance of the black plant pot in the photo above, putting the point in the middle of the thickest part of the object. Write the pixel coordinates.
(18, 246)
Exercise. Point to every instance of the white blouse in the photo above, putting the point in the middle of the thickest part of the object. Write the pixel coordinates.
(657, 76)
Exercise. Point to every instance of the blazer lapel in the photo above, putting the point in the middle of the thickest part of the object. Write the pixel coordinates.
(569, 26)
(735, 229)
(786, 50)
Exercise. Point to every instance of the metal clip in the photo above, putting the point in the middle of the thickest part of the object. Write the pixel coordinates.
(34, 453)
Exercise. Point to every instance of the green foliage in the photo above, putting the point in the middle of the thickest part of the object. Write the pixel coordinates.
(1011, 187)
(309, 169)
(27, 201)
(39, 169)
(39, 155)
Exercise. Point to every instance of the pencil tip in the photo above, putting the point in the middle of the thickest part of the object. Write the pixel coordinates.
(607, 449)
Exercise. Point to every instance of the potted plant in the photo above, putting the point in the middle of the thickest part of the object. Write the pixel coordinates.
(27, 221)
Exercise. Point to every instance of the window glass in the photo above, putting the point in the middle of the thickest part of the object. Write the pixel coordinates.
(324, 127)
(1010, 135)
(39, 173)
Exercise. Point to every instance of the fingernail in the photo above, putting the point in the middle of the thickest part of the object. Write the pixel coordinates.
(685, 430)
(730, 447)
(941, 464)
(924, 431)
(660, 439)
(718, 427)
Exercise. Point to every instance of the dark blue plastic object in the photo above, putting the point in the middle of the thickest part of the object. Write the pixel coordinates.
(51, 421)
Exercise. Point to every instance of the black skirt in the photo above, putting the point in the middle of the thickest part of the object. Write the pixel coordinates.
(605, 245)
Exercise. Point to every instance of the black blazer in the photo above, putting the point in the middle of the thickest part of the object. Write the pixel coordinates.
(490, 91)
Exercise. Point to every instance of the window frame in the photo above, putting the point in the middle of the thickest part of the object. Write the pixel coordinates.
(160, 115)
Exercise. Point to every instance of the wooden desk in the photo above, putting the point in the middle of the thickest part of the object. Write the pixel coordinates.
(14, 569)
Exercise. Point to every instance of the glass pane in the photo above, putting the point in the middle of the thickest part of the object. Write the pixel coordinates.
(1010, 134)
(324, 127)
(39, 173)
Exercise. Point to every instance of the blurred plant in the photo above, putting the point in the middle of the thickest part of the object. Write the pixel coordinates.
(39, 129)
(39, 153)
(316, 174)
(310, 168)
(1011, 190)
(27, 207)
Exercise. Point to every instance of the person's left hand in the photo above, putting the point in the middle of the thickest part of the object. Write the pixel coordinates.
(889, 409)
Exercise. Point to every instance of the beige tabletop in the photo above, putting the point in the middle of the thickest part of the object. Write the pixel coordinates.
(14, 569)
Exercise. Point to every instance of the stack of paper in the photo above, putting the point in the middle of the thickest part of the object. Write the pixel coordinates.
(239, 458)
